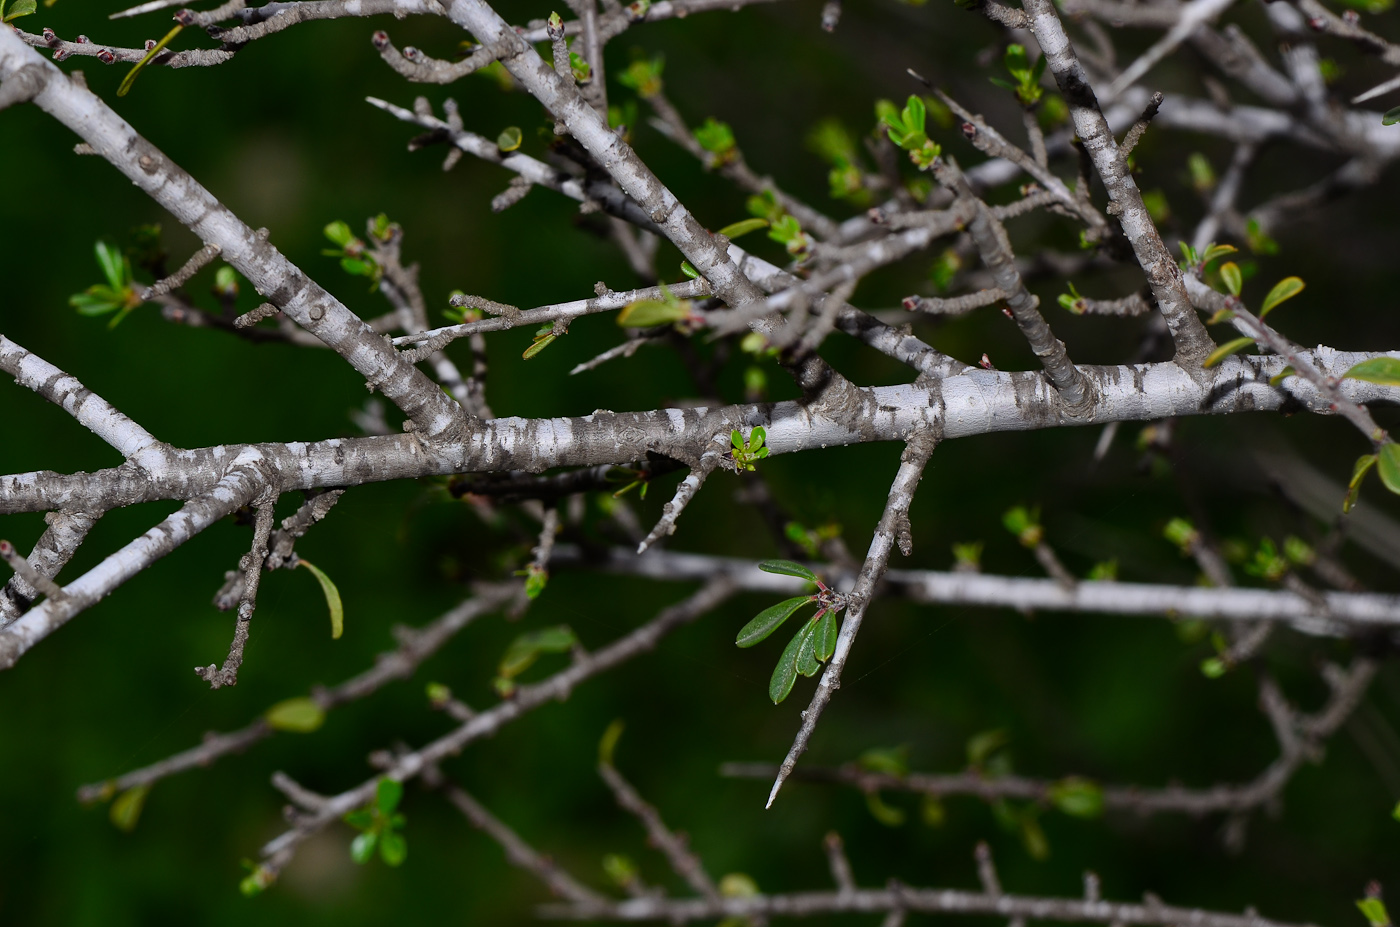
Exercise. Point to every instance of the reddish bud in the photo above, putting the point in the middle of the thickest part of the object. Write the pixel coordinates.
(106, 56)
(6, 548)
(1317, 24)
(411, 53)
(380, 39)
(1351, 17)
(968, 129)
(986, 363)
(185, 17)
(149, 44)
(82, 40)
(1006, 311)
(910, 303)
(49, 37)
(59, 54)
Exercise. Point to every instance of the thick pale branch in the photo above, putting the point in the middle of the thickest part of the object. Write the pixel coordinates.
(275, 277)
(1193, 344)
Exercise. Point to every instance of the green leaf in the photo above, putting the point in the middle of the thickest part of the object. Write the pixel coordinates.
(339, 233)
(1282, 375)
(931, 809)
(980, 747)
(525, 649)
(1230, 276)
(110, 259)
(788, 568)
(1388, 465)
(785, 673)
(756, 438)
(393, 848)
(620, 869)
(539, 344)
(743, 227)
(1373, 909)
(296, 715)
(387, 795)
(98, 300)
(1077, 797)
(1225, 350)
(1391, 117)
(21, 8)
(510, 138)
(357, 267)
(1214, 251)
(1033, 838)
(360, 818)
(155, 49)
(646, 313)
(1213, 667)
(890, 817)
(689, 270)
(1287, 288)
(807, 663)
(769, 620)
(738, 885)
(1382, 370)
(826, 636)
(891, 761)
(1396, 813)
(332, 595)
(126, 808)
(607, 744)
(362, 847)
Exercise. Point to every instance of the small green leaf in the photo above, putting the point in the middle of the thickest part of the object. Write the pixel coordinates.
(332, 595)
(647, 313)
(1388, 465)
(756, 439)
(539, 344)
(357, 267)
(788, 568)
(1214, 251)
(360, 818)
(393, 848)
(769, 620)
(1382, 370)
(890, 761)
(689, 270)
(743, 227)
(1373, 909)
(155, 49)
(785, 673)
(1391, 117)
(362, 847)
(1033, 838)
(525, 649)
(931, 809)
(113, 265)
(510, 138)
(1287, 288)
(339, 233)
(1225, 350)
(387, 795)
(1230, 276)
(1396, 813)
(1213, 667)
(890, 817)
(126, 808)
(296, 715)
(738, 885)
(807, 663)
(826, 636)
(1077, 797)
(21, 8)
(607, 744)
(620, 869)
(980, 747)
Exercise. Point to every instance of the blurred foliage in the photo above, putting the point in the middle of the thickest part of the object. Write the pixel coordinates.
(282, 136)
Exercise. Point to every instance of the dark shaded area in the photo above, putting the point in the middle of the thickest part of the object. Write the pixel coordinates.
(282, 136)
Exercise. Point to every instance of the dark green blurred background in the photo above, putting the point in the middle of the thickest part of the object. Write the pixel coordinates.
(283, 136)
